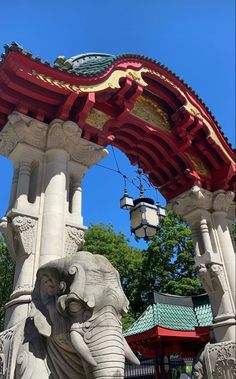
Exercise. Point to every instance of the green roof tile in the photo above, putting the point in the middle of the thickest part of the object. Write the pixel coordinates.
(90, 64)
(204, 315)
(145, 322)
(170, 316)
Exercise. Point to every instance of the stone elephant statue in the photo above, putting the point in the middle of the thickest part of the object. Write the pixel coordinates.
(74, 330)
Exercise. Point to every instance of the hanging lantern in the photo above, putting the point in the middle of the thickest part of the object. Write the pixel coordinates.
(145, 217)
(126, 202)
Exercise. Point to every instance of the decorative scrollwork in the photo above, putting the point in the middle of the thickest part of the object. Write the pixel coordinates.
(25, 230)
(74, 240)
(22, 129)
(67, 135)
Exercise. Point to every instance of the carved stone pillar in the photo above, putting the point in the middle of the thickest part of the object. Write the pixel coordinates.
(221, 203)
(24, 231)
(207, 214)
(76, 177)
(53, 220)
(14, 188)
(76, 198)
(38, 226)
(23, 183)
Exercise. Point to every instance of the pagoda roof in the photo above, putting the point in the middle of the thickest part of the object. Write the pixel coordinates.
(178, 313)
(92, 64)
(129, 101)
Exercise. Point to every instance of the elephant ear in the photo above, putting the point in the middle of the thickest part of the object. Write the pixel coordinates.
(125, 301)
(77, 288)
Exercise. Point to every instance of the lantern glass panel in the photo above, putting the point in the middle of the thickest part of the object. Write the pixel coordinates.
(151, 216)
(126, 202)
(136, 217)
(144, 220)
(161, 212)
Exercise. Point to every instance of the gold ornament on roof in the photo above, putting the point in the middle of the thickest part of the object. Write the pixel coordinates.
(199, 166)
(97, 118)
(55, 82)
(150, 111)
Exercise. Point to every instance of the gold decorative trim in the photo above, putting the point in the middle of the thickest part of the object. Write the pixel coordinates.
(97, 118)
(55, 82)
(114, 80)
(191, 108)
(151, 112)
(199, 166)
(111, 82)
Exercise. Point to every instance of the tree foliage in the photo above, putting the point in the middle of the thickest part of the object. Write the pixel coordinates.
(169, 259)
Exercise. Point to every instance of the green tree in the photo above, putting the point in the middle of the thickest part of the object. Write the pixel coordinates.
(168, 262)
(6, 278)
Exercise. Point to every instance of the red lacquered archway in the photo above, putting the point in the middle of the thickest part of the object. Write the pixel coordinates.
(130, 102)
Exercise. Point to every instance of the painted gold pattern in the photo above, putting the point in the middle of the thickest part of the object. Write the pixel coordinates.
(149, 111)
(55, 82)
(191, 108)
(199, 166)
(113, 82)
(97, 118)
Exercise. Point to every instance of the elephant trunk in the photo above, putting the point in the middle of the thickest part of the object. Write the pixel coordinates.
(106, 345)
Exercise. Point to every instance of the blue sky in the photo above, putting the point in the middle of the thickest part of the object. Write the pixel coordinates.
(195, 39)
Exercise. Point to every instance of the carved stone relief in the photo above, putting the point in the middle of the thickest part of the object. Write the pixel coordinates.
(204, 275)
(8, 233)
(59, 134)
(67, 135)
(222, 200)
(25, 228)
(216, 361)
(212, 276)
(199, 198)
(74, 240)
(74, 329)
(22, 129)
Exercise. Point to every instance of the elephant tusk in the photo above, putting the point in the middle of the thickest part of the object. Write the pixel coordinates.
(81, 348)
(129, 355)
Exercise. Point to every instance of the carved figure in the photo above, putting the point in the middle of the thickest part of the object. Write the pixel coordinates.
(216, 361)
(74, 330)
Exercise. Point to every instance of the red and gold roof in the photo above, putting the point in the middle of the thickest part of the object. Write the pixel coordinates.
(130, 102)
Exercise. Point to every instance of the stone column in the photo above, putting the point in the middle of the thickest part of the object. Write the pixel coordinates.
(23, 183)
(53, 220)
(42, 229)
(76, 176)
(76, 198)
(206, 213)
(14, 188)
(24, 230)
(222, 202)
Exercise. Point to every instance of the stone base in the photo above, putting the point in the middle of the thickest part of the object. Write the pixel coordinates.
(216, 361)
